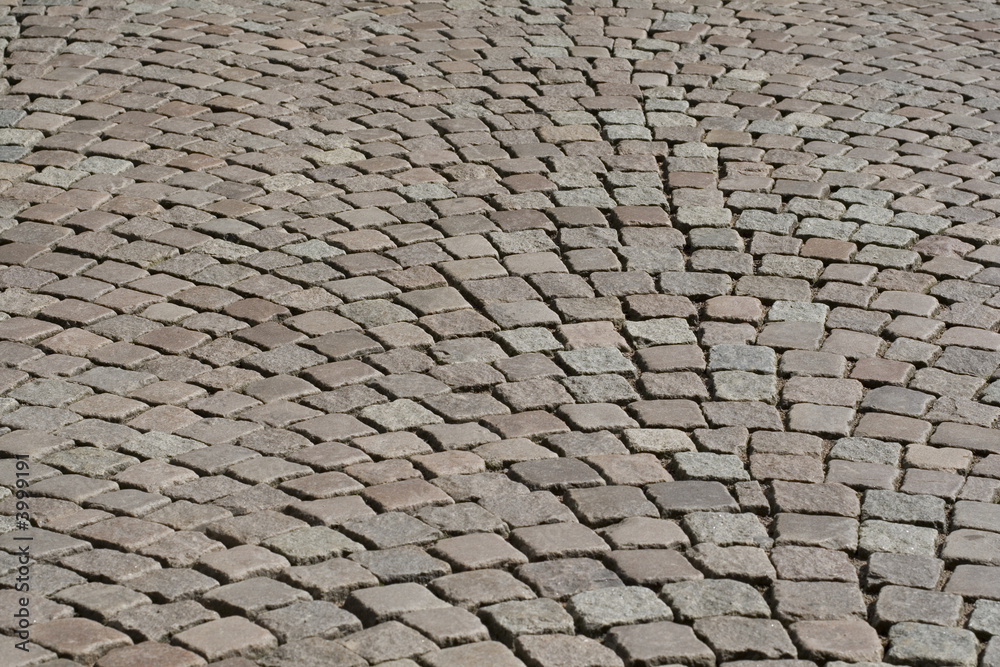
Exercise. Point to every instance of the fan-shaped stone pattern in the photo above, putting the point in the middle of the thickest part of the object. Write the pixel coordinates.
(545, 333)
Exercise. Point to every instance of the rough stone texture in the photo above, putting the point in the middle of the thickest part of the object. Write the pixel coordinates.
(539, 650)
(919, 643)
(700, 599)
(453, 333)
(847, 640)
(897, 604)
(510, 620)
(604, 608)
(660, 643)
(985, 617)
(734, 638)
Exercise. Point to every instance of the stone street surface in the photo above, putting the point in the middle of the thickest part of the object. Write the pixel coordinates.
(486, 333)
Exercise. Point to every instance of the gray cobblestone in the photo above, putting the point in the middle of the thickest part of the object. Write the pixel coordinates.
(496, 302)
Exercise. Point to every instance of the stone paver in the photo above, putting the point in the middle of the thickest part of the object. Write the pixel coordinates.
(538, 332)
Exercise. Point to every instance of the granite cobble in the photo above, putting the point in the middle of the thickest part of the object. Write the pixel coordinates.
(543, 332)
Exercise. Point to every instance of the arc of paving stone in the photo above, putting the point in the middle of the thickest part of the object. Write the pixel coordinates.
(600, 332)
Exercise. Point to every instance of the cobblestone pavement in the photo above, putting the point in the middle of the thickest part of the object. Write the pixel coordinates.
(581, 333)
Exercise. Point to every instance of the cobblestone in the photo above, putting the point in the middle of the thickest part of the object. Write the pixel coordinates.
(530, 333)
(919, 642)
